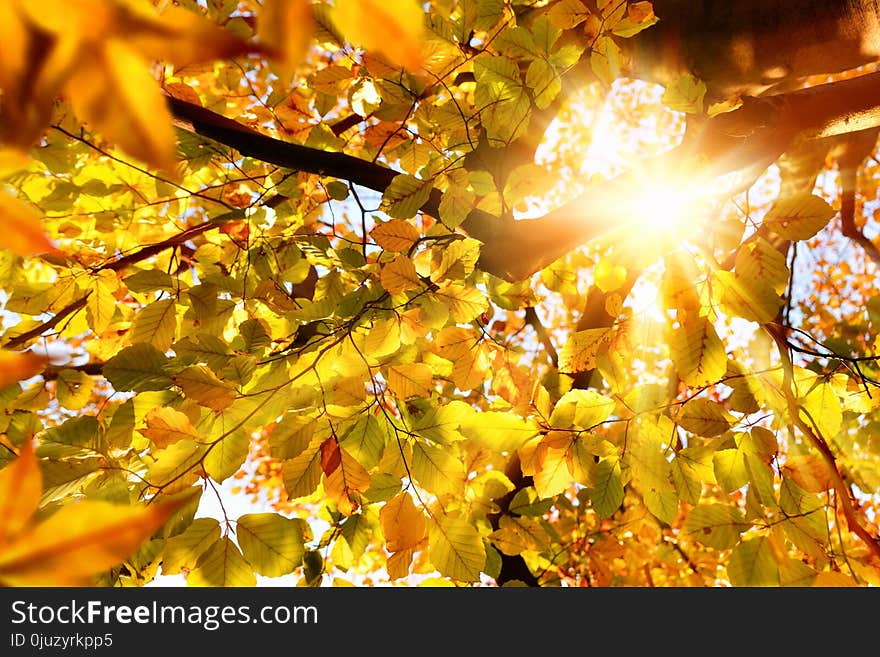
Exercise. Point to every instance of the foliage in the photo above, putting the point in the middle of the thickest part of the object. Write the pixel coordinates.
(195, 315)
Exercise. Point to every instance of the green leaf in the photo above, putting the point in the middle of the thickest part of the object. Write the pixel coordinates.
(758, 261)
(730, 469)
(752, 564)
(799, 217)
(440, 424)
(456, 549)
(271, 543)
(542, 79)
(606, 59)
(691, 468)
(227, 456)
(607, 495)
(156, 324)
(149, 280)
(715, 525)
(222, 565)
(697, 352)
(140, 367)
(527, 503)
(203, 348)
(501, 99)
(405, 196)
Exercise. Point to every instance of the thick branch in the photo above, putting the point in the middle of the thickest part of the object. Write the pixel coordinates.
(747, 141)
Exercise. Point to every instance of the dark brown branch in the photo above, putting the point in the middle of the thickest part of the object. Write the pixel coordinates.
(51, 323)
(747, 140)
(534, 321)
(51, 372)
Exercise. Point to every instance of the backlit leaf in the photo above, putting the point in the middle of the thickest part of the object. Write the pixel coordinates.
(698, 352)
(403, 524)
(222, 565)
(140, 367)
(271, 543)
(156, 324)
(457, 549)
(392, 28)
(799, 217)
(77, 542)
(715, 525)
(166, 426)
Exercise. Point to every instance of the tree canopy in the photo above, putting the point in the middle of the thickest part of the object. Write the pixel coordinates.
(469, 292)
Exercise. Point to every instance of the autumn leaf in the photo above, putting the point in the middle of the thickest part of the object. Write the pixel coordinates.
(404, 525)
(392, 28)
(24, 233)
(73, 544)
(19, 365)
(166, 426)
(286, 27)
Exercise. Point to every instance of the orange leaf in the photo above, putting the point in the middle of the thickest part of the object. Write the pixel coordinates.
(135, 116)
(78, 542)
(286, 27)
(810, 472)
(20, 488)
(22, 227)
(403, 523)
(390, 27)
(395, 235)
(331, 457)
(16, 366)
(166, 426)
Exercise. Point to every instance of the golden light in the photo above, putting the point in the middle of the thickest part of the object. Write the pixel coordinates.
(666, 209)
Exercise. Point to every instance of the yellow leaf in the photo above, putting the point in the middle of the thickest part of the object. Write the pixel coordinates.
(810, 472)
(390, 27)
(198, 382)
(18, 365)
(20, 490)
(345, 481)
(22, 228)
(395, 235)
(697, 352)
(134, 116)
(286, 27)
(398, 564)
(410, 380)
(78, 542)
(403, 524)
(456, 549)
(166, 426)
(399, 275)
